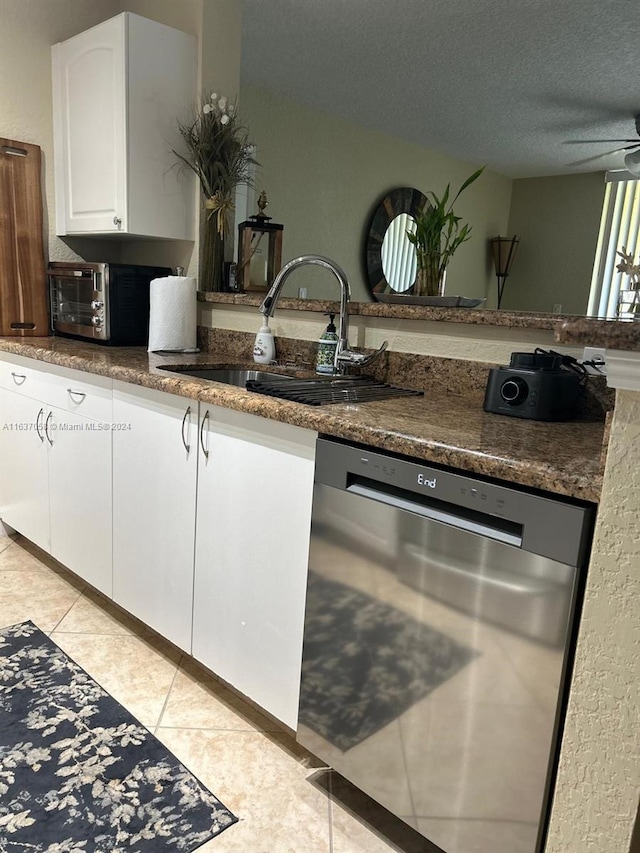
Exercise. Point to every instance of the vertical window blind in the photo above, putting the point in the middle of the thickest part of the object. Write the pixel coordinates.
(619, 226)
(398, 254)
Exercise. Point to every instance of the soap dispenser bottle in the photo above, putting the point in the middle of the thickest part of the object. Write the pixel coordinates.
(325, 360)
(264, 348)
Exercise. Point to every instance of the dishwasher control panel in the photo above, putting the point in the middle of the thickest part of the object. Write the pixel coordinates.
(552, 527)
(443, 485)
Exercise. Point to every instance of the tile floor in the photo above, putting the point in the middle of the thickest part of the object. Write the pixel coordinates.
(286, 801)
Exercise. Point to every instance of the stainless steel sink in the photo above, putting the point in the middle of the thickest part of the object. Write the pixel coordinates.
(330, 389)
(314, 391)
(228, 375)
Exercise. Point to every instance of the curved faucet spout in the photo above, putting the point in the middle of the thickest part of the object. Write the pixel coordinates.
(344, 356)
(271, 299)
(269, 303)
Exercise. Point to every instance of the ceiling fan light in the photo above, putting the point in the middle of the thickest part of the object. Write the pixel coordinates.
(632, 163)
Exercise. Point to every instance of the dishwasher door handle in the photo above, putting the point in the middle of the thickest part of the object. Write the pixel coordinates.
(469, 525)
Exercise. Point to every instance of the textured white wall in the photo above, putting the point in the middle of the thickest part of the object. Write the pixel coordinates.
(599, 776)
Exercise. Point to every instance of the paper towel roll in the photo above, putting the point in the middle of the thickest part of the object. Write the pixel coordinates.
(172, 313)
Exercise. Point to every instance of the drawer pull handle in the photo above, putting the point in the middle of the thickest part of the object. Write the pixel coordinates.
(11, 149)
(187, 447)
(19, 376)
(39, 415)
(46, 428)
(205, 419)
(73, 393)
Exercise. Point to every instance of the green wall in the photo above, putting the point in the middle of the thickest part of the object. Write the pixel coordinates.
(557, 220)
(324, 176)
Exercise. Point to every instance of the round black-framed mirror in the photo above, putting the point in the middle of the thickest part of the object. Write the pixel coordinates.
(389, 256)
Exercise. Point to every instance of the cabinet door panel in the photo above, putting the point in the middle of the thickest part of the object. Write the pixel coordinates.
(252, 540)
(80, 496)
(89, 127)
(24, 468)
(154, 495)
(161, 81)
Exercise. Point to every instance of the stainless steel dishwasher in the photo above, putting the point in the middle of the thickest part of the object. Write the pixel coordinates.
(439, 633)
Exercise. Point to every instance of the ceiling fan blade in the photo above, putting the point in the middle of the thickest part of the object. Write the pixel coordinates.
(588, 141)
(591, 159)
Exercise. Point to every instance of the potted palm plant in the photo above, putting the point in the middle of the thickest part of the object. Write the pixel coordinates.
(438, 234)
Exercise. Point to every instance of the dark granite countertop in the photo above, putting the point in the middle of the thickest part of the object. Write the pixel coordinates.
(610, 334)
(476, 316)
(442, 428)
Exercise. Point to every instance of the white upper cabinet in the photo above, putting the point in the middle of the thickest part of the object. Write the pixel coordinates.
(119, 90)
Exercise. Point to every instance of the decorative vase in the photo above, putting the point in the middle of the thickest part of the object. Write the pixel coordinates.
(212, 261)
(429, 278)
(629, 304)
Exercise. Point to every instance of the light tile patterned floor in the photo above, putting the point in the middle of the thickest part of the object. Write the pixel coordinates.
(285, 801)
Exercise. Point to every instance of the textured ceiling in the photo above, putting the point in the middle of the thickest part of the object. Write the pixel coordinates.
(509, 83)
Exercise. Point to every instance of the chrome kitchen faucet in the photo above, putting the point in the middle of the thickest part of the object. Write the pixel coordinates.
(344, 357)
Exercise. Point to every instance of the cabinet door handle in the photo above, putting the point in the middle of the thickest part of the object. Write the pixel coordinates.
(38, 416)
(46, 428)
(73, 393)
(117, 221)
(205, 419)
(19, 376)
(187, 447)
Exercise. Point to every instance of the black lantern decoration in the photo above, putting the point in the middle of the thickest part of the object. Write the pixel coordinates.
(259, 250)
(504, 251)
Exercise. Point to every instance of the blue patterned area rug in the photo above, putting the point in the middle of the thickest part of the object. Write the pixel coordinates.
(78, 773)
(364, 663)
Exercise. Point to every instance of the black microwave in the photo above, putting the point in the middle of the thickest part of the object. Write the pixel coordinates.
(101, 302)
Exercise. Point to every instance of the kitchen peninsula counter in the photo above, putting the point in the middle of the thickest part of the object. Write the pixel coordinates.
(440, 428)
(568, 329)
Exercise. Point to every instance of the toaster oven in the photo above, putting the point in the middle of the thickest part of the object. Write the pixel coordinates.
(102, 302)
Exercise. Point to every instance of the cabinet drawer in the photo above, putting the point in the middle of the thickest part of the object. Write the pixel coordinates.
(70, 390)
(23, 375)
(81, 393)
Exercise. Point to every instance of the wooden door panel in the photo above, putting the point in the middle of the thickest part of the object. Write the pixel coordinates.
(23, 282)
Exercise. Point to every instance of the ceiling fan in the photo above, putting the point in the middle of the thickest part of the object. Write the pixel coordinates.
(632, 159)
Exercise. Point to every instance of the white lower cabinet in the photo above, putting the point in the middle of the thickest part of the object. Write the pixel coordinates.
(255, 485)
(194, 518)
(80, 495)
(24, 467)
(154, 507)
(56, 474)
